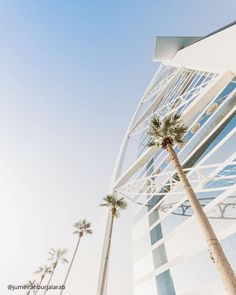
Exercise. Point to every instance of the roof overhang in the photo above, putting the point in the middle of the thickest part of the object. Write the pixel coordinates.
(166, 47)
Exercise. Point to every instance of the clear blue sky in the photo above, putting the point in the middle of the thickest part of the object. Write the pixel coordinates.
(71, 74)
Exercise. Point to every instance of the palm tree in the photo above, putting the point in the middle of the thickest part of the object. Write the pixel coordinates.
(81, 229)
(43, 271)
(166, 134)
(56, 257)
(115, 206)
(31, 285)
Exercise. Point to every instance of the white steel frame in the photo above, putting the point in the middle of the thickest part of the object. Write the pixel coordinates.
(155, 91)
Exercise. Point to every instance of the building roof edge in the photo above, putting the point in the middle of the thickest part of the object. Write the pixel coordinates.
(167, 46)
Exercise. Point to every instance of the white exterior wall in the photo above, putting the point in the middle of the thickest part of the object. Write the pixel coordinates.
(186, 252)
(213, 54)
(216, 52)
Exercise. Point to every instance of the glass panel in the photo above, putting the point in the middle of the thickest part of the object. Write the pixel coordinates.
(156, 234)
(159, 256)
(164, 284)
(184, 211)
(224, 152)
(212, 106)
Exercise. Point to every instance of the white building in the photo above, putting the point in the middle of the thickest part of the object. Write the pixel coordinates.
(196, 77)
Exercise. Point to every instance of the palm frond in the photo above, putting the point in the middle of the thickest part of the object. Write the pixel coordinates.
(40, 269)
(151, 143)
(121, 204)
(55, 257)
(154, 130)
(170, 131)
(82, 227)
(62, 252)
(52, 251)
(114, 203)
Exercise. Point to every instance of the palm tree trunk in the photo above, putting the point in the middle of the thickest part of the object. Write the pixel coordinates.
(40, 283)
(71, 263)
(104, 275)
(226, 272)
(50, 278)
(28, 292)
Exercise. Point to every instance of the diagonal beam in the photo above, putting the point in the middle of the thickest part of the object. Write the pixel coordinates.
(144, 158)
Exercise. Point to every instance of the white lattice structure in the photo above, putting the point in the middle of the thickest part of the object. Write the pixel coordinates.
(197, 81)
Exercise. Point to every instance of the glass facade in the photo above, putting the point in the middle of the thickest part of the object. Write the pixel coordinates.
(166, 225)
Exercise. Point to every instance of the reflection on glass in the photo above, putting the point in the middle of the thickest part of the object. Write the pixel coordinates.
(165, 284)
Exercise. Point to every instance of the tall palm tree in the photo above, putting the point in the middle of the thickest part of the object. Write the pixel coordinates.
(56, 256)
(166, 134)
(43, 271)
(115, 206)
(82, 228)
